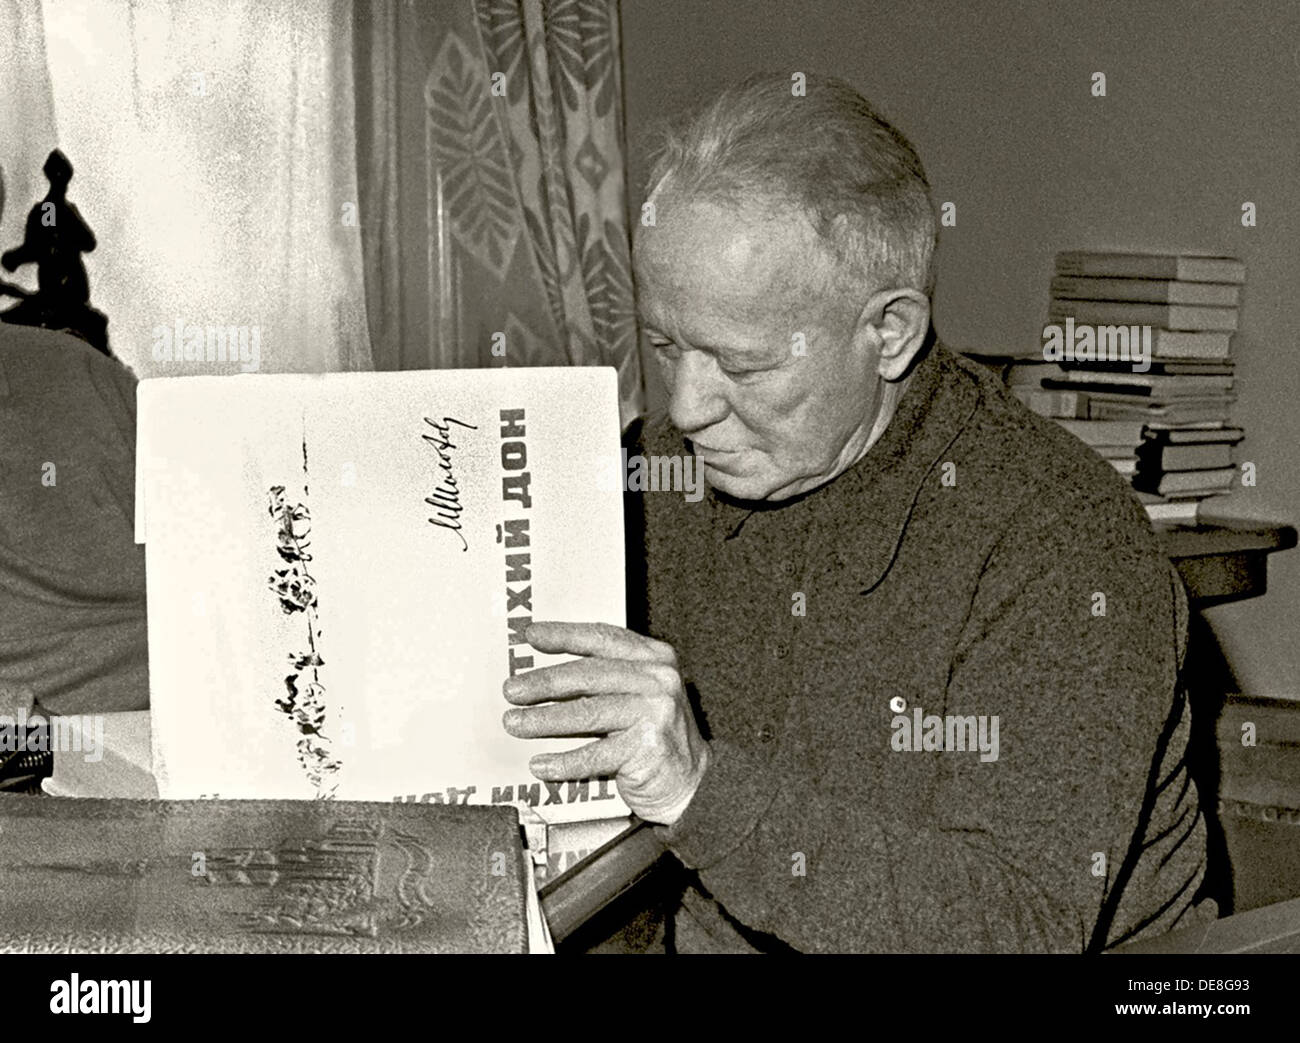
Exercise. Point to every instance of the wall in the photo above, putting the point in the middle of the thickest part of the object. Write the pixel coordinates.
(1202, 113)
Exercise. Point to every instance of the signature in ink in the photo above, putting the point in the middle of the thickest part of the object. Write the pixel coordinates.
(445, 500)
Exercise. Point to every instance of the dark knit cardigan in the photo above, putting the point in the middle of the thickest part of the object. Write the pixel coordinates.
(977, 561)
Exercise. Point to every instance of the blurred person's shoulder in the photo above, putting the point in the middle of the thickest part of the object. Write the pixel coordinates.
(29, 356)
(55, 381)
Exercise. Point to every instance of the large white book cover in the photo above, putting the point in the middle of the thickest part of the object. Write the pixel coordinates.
(341, 567)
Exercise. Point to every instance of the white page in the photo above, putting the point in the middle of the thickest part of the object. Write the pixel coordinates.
(409, 620)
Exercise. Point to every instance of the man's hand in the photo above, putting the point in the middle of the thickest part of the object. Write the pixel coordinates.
(628, 690)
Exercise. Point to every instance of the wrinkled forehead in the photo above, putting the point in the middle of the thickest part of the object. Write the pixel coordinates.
(701, 257)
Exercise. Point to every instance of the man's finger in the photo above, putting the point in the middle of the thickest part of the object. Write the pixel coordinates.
(594, 715)
(599, 759)
(576, 678)
(597, 639)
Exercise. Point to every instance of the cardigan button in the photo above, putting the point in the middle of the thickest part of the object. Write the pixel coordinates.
(766, 733)
(781, 651)
(898, 704)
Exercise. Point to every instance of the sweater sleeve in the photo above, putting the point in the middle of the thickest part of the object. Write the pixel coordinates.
(1083, 832)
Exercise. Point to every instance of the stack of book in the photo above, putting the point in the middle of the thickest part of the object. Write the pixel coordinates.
(1136, 362)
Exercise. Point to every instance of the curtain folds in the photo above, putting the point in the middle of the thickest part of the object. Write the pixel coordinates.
(492, 186)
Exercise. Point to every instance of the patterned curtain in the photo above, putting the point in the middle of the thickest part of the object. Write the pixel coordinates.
(492, 186)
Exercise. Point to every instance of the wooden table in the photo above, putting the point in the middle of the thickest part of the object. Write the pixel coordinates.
(1220, 561)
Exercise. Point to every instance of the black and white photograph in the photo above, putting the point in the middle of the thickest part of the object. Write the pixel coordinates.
(651, 477)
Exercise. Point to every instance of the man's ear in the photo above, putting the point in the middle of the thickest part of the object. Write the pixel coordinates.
(895, 324)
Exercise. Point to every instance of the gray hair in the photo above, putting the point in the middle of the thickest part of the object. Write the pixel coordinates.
(828, 154)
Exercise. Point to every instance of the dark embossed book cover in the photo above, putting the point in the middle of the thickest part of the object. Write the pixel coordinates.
(85, 875)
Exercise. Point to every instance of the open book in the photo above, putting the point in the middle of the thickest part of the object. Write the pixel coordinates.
(341, 569)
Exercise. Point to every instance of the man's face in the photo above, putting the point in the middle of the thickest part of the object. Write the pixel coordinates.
(756, 346)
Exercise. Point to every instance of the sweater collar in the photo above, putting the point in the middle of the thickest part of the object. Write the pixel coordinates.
(863, 512)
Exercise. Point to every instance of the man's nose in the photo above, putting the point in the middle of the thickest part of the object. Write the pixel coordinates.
(697, 397)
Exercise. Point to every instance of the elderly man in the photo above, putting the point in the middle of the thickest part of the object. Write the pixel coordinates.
(912, 680)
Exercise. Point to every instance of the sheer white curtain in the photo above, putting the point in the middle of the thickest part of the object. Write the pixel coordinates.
(26, 122)
(214, 152)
